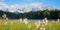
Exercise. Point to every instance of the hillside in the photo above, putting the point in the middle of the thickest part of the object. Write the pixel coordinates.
(53, 14)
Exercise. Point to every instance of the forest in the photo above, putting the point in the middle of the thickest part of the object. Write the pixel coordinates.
(50, 14)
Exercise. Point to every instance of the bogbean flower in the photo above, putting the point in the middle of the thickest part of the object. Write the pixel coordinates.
(25, 21)
(42, 28)
(29, 26)
(45, 21)
(20, 20)
(42, 25)
(58, 20)
(53, 21)
(11, 22)
(37, 24)
(4, 16)
(5, 22)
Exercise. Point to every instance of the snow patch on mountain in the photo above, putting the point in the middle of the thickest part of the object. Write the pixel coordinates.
(23, 8)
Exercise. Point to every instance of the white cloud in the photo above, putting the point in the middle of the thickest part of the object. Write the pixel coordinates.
(2, 0)
(14, 8)
(26, 7)
(22, 8)
(3, 6)
(28, 0)
(33, 0)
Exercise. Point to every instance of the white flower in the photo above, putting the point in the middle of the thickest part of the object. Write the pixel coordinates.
(25, 21)
(45, 21)
(37, 24)
(5, 23)
(53, 21)
(42, 25)
(29, 26)
(42, 28)
(11, 22)
(20, 20)
(6, 18)
(45, 18)
(4, 15)
(58, 20)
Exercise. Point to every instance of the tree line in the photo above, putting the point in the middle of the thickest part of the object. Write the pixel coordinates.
(50, 14)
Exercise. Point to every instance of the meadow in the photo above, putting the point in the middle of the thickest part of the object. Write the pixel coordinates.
(18, 25)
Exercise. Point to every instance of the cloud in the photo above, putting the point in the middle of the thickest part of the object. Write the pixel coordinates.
(30, 7)
(28, 0)
(24, 8)
(3, 6)
(36, 6)
(20, 8)
(2, 0)
(33, 0)
(14, 8)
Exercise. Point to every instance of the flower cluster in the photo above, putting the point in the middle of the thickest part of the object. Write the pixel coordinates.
(25, 21)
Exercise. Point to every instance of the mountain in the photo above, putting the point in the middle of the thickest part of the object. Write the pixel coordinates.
(29, 8)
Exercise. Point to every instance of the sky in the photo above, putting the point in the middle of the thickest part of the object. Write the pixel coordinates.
(54, 3)
(12, 4)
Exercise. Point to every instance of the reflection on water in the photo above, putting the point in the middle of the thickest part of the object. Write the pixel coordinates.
(35, 20)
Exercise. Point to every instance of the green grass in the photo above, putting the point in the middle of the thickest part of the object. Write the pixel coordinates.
(17, 25)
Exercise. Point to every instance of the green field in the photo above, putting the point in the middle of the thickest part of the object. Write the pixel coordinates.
(17, 25)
